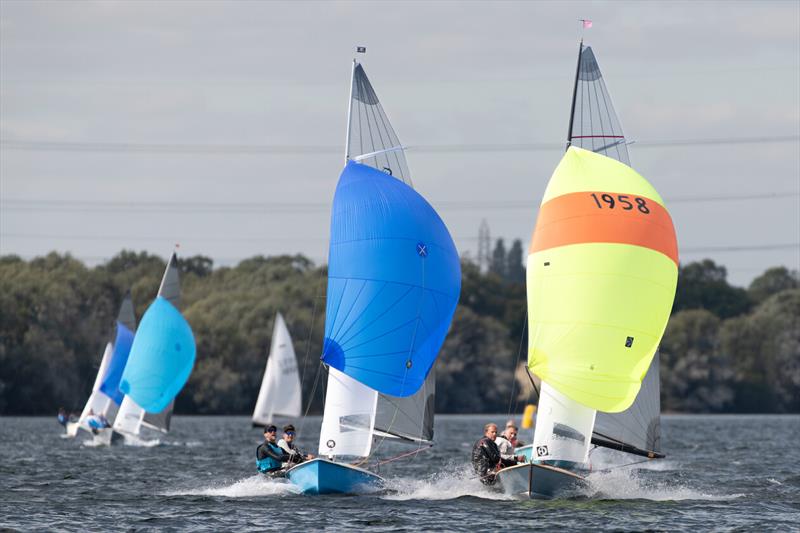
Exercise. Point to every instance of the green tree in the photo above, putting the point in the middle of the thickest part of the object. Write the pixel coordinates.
(498, 264)
(773, 281)
(515, 269)
(703, 285)
(695, 376)
(765, 349)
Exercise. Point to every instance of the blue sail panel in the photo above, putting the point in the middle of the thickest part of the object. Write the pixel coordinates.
(394, 279)
(119, 358)
(161, 359)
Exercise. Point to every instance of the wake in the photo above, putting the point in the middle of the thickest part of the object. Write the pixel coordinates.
(631, 484)
(458, 481)
(249, 487)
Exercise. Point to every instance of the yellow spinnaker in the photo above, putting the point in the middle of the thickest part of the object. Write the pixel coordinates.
(602, 272)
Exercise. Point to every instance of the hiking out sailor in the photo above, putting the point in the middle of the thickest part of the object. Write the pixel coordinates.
(486, 458)
(288, 445)
(269, 456)
(505, 443)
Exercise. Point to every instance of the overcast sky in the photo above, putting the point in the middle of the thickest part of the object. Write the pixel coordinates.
(221, 125)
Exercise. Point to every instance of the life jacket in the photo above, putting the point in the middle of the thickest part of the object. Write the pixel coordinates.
(268, 464)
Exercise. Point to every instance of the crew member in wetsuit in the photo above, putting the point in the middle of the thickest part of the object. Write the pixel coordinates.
(288, 445)
(486, 456)
(62, 417)
(269, 456)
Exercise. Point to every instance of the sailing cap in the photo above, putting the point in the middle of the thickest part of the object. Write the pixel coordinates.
(288, 427)
(270, 429)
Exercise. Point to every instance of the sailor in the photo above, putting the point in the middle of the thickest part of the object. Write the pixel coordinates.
(269, 456)
(486, 456)
(514, 442)
(62, 416)
(288, 445)
(505, 443)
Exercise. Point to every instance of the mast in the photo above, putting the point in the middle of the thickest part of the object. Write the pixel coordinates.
(349, 113)
(574, 94)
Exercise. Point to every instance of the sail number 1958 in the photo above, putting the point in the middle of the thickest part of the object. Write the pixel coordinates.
(611, 201)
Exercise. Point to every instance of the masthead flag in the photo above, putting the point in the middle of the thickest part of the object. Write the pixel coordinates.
(586, 23)
(361, 49)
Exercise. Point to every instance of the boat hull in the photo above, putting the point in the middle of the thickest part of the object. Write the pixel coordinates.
(527, 451)
(530, 480)
(321, 476)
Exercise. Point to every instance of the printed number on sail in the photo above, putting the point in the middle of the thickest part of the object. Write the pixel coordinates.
(608, 199)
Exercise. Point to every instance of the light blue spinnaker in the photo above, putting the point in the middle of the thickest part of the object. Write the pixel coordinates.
(394, 280)
(161, 358)
(119, 358)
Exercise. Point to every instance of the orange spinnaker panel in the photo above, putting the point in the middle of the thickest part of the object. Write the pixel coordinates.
(599, 216)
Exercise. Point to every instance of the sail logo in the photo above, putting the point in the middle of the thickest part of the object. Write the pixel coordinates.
(422, 249)
(542, 451)
(331, 444)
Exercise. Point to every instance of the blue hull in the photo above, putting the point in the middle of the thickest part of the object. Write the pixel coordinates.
(321, 476)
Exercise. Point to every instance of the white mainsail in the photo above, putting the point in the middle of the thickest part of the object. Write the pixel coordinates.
(280, 392)
(98, 403)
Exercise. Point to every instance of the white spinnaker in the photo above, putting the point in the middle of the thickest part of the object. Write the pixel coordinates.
(349, 417)
(129, 418)
(280, 392)
(563, 428)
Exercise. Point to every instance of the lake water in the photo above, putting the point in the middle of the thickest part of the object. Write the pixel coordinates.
(721, 473)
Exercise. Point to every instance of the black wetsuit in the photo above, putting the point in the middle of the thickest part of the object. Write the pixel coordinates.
(485, 458)
(269, 457)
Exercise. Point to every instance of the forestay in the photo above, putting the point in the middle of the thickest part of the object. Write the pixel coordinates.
(280, 392)
(594, 124)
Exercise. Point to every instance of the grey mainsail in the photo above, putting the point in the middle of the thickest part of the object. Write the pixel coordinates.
(594, 124)
(170, 288)
(409, 418)
(638, 428)
(371, 139)
(159, 421)
(126, 315)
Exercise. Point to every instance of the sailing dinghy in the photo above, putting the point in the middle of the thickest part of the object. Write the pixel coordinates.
(106, 396)
(280, 392)
(394, 279)
(160, 362)
(601, 275)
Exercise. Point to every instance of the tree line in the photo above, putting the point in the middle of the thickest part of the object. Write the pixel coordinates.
(726, 348)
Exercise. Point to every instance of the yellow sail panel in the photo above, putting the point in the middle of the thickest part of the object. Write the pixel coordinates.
(581, 170)
(601, 281)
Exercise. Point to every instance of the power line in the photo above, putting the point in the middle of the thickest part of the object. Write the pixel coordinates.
(268, 149)
(688, 250)
(175, 208)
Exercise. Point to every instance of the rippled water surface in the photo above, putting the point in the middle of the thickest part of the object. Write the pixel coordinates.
(722, 473)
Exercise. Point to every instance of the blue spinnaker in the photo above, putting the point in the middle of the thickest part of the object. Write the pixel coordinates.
(161, 359)
(119, 358)
(394, 279)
